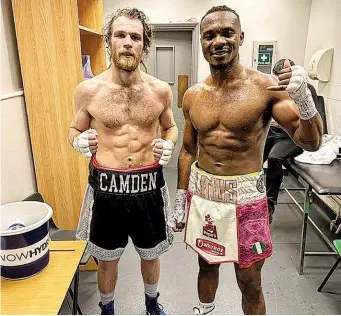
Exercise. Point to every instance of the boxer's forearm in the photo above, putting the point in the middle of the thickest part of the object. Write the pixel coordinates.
(185, 161)
(170, 134)
(309, 133)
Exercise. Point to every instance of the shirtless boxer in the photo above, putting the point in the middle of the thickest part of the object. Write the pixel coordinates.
(227, 120)
(118, 114)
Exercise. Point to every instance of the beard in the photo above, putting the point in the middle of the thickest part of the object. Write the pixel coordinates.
(128, 63)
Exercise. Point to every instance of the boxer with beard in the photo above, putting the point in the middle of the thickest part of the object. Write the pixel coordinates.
(118, 114)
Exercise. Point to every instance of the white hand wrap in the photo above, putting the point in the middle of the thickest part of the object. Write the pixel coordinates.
(81, 144)
(178, 212)
(167, 150)
(298, 90)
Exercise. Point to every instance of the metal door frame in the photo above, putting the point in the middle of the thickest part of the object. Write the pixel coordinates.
(185, 26)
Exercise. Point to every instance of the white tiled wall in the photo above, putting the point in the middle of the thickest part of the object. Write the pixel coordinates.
(332, 98)
(325, 33)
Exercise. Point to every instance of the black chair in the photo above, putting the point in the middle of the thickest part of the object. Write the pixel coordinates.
(320, 106)
(58, 234)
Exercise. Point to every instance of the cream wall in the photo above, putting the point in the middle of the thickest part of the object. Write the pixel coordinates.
(283, 20)
(17, 172)
(325, 31)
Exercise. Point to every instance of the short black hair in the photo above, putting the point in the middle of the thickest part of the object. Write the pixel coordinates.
(220, 8)
(280, 65)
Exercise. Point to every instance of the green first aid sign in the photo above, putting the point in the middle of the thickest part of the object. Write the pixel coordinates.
(264, 59)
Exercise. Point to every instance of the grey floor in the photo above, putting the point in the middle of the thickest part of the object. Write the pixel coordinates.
(285, 291)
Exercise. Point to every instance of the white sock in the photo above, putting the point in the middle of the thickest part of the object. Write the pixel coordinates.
(205, 308)
(151, 289)
(106, 298)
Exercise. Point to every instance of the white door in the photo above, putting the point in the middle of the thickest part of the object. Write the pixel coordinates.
(169, 57)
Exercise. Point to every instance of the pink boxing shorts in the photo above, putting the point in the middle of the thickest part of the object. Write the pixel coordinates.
(227, 219)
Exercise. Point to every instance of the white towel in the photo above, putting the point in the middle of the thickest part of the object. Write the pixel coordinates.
(326, 154)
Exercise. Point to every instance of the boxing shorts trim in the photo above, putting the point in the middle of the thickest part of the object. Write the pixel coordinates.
(227, 217)
(125, 202)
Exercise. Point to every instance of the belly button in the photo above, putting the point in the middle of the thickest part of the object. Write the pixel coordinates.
(130, 159)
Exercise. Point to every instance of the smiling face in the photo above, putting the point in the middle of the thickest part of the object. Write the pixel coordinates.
(221, 37)
(126, 43)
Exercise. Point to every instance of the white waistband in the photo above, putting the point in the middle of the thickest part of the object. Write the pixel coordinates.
(227, 189)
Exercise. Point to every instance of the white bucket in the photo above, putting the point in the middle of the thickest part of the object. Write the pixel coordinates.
(25, 250)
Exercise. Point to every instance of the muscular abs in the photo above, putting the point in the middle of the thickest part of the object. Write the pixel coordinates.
(126, 120)
(232, 124)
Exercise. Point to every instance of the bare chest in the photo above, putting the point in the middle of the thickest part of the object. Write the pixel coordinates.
(240, 110)
(115, 108)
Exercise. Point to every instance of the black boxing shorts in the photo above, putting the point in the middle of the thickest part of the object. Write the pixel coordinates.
(125, 202)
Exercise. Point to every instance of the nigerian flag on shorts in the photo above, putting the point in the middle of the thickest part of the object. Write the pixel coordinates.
(258, 247)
